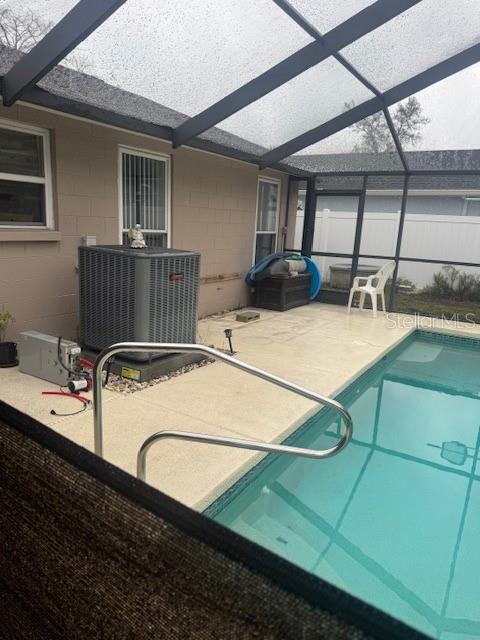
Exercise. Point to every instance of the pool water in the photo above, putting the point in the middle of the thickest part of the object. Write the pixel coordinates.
(394, 519)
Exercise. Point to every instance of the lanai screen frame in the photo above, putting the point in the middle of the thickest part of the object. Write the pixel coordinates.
(87, 15)
(340, 296)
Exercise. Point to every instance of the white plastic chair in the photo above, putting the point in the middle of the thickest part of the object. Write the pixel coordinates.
(374, 286)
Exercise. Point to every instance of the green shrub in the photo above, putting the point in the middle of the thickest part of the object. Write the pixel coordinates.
(454, 284)
(6, 317)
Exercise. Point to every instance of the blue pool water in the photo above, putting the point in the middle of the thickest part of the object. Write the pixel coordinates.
(395, 518)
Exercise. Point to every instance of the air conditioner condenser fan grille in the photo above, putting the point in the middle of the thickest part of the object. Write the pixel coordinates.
(132, 295)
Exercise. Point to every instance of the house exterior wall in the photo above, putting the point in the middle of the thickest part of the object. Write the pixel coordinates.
(213, 209)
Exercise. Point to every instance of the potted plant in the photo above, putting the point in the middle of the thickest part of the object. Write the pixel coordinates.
(8, 350)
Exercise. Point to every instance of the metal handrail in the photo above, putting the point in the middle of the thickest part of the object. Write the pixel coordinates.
(150, 347)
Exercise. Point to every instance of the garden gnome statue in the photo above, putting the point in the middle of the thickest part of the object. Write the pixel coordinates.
(136, 238)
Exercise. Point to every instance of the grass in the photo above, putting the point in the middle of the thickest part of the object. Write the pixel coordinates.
(451, 295)
(431, 306)
(426, 305)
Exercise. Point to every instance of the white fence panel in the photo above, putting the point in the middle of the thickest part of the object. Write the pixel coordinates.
(442, 237)
(379, 233)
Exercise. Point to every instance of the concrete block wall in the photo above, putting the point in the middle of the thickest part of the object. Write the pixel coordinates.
(213, 205)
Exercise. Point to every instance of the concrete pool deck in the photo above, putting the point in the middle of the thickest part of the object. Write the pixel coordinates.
(319, 346)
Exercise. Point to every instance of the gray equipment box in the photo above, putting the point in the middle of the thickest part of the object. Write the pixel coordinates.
(37, 355)
(137, 295)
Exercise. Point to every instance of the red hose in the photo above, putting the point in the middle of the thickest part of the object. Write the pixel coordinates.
(65, 394)
(85, 362)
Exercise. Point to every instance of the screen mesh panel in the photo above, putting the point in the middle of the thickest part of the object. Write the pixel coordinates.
(330, 13)
(338, 183)
(442, 219)
(365, 146)
(188, 55)
(182, 57)
(25, 23)
(449, 292)
(381, 218)
(415, 40)
(311, 98)
(446, 119)
(85, 532)
(384, 184)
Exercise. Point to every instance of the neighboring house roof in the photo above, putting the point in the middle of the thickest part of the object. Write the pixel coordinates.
(458, 160)
(462, 183)
(80, 94)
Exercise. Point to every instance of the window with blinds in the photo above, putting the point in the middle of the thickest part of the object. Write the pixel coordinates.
(145, 196)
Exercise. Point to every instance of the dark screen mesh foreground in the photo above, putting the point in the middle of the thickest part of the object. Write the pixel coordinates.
(82, 560)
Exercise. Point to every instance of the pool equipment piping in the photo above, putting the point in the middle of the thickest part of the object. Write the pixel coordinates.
(77, 373)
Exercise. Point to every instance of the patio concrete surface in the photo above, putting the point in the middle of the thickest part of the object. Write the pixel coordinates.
(318, 346)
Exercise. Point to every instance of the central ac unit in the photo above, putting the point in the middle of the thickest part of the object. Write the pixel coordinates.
(137, 295)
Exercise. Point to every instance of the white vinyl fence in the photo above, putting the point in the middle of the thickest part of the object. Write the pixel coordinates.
(436, 237)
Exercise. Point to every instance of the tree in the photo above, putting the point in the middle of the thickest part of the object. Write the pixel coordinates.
(22, 29)
(408, 120)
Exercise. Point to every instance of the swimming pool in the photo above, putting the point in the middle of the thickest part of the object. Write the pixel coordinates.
(395, 518)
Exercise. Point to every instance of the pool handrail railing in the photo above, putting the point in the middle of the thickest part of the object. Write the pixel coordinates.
(156, 347)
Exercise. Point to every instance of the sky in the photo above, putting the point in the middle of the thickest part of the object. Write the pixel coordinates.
(187, 55)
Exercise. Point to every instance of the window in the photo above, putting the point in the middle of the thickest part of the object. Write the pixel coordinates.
(268, 203)
(25, 184)
(144, 198)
